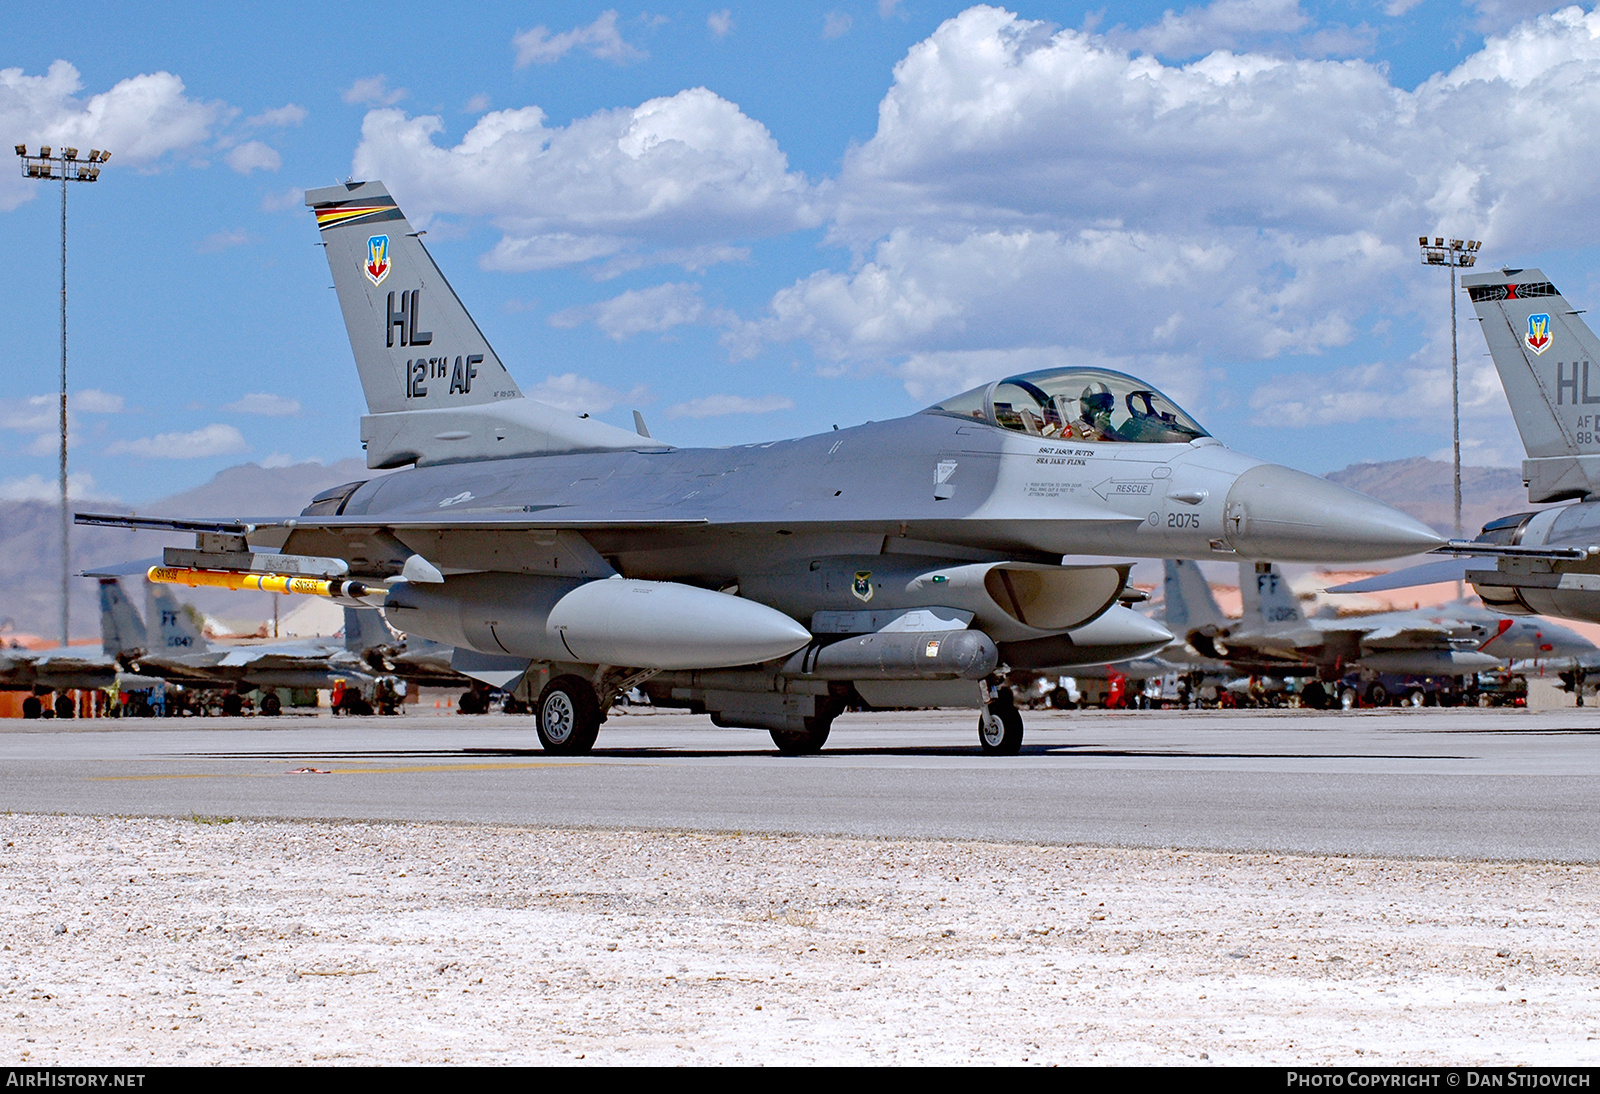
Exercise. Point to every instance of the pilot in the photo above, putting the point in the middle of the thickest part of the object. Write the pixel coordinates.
(1094, 414)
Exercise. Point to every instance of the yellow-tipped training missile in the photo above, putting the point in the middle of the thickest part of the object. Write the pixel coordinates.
(267, 583)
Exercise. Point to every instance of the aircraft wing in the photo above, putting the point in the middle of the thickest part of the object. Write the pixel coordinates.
(1410, 636)
(521, 518)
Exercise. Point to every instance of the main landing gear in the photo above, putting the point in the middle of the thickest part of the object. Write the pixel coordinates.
(568, 716)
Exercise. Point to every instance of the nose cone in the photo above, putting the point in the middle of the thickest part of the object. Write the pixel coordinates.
(1288, 516)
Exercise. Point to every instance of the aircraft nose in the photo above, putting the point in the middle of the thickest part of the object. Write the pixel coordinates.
(1288, 516)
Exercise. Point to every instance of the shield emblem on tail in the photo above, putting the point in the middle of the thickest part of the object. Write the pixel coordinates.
(1538, 337)
(377, 267)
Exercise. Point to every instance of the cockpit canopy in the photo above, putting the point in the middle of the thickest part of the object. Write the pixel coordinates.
(1085, 404)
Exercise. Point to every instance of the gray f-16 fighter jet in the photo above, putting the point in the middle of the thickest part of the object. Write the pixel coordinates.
(122, 635)
(180, 653)
(766, 584)
(1549, 364)
(1273, 635)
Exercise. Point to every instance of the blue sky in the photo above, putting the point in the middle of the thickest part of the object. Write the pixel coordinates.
(750, 223)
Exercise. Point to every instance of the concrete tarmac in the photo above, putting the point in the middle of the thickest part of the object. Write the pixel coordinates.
(1463, 784)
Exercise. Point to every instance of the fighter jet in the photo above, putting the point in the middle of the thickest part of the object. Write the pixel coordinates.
(1549, 364)
(1275, 636)
(1548, 561)
(70, 668)
(181, 654)
(896, 563)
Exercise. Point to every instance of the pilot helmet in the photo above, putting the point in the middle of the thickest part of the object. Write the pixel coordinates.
(1096, 401)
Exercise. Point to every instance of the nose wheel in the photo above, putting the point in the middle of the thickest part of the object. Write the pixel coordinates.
(1000, 725)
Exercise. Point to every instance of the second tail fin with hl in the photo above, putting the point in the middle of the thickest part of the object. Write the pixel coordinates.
(1549, 364)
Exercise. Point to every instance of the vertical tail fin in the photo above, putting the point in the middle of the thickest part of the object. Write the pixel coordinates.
(121, 629)
(1187, 601)
(416, 347)
(1549, 364)
(176, 630)
(1269, 603)
(364, 629)
(436, 391)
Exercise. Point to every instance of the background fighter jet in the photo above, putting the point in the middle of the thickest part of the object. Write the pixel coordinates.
(895, 562)
(1274, 635)
(71, 668)
(1549, 364)
(180, 654)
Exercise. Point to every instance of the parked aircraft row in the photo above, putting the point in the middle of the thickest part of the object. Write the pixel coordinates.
(896, 562)
(172, 649)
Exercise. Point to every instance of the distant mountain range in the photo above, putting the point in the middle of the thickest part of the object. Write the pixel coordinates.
(1426, 490)
(29, 600)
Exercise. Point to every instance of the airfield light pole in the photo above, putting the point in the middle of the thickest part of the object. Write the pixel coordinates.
(1457, 254)
(68, 168)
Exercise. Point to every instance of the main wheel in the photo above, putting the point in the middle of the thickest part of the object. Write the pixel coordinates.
(233, 704)
(803, 742)
(1000, 729)
(568, 716)
(32, 707)
(65, 707)
(271, 705)
(1378, 695)
(1314, 696)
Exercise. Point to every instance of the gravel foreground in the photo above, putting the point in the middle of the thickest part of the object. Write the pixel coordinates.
(134, 941)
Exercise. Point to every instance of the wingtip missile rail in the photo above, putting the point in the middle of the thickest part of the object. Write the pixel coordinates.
(334, 588)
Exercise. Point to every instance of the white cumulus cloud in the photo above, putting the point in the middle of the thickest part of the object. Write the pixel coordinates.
(715, 406)
(674, 174)
(373, 91)
(1031, 191)
(80, 485)
(265, 404)
(569, 391)
(600, 38)
(141, 119)
(279, 118)
(212, 440)
(638, 311)
(254, 156)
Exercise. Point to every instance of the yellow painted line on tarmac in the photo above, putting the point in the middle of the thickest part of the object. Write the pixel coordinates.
(409, 770)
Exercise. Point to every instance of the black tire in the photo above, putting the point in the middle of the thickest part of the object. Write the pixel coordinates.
(32, 707)
(65, 707)
(1000, 729)
(1378, 695)
(233, 704)
(1314, 696)
(468, 704)
(803, 742)
(1060, 699)
(271, 705)
(567, 716)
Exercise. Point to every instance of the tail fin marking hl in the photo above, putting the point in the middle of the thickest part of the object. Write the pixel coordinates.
(1549, 364)
(436, 390)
